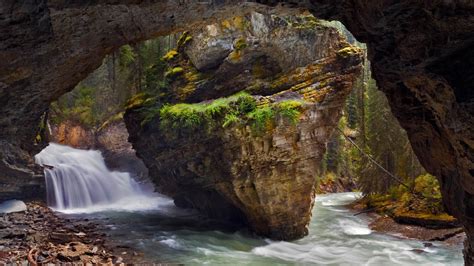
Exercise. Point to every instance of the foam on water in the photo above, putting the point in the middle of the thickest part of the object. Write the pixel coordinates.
(80, 182)
(336, 237)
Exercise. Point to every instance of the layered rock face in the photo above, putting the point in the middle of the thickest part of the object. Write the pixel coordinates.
(112, 140)
(248, 159)
(72, 134)
(421, 53)
(422, 57)
(48, 47)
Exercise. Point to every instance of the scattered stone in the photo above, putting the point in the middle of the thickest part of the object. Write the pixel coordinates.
(390, 226)
(38, 236)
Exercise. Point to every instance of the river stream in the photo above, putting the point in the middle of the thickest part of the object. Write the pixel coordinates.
(151, 224)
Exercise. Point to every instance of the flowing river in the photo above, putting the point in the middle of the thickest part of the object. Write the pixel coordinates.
(150, 223)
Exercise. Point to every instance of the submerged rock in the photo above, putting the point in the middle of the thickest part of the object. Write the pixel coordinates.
(249, 157)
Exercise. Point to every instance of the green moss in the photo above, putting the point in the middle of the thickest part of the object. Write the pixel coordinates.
(262, 119)
(226, 24)
(290, 110)
(304, 22)
(349, 51)
(235, 56)
(240, 22)
(170, 55)
(240, 44)
(139, 100)
(204, 115)
(184, 39)
(240, 108)
(174, 72)
(423, 203)
(230, 119)
(114, 118)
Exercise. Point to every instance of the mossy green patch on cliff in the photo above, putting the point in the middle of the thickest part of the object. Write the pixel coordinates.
(240, 44)
(139, 100)
(170, 55)
(112, 119)
(349, 51)
(238, 109)
(421, 205)
(174, 72)
(262, 119)
(183, 40)
(290, 109)
(186, 116)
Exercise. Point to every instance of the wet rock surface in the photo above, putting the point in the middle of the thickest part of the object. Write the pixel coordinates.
(262, 178)
(112, 141)
(72, 134)
(38, 235)
(387, 225)
(421, 54)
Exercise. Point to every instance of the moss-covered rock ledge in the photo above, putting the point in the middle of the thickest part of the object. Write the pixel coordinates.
(239, 128)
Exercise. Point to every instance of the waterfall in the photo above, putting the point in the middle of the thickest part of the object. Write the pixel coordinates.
(79, 181)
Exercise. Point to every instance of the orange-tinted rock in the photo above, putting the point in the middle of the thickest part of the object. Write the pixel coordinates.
(263, 179)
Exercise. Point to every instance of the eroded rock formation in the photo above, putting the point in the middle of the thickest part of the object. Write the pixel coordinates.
(72, 134)
(421, 53)
(249, 159)
(48, 47)
(422, 57)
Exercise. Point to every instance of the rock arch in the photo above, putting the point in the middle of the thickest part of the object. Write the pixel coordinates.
(421, 54)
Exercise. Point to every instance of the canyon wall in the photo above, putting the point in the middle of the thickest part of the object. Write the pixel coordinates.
(250, 158)
(421, 54)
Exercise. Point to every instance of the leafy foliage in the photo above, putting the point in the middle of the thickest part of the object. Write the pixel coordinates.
(136, 69)
(192, 116)
(262, 118)
(237, 109)
(79, 109)
(290, 110)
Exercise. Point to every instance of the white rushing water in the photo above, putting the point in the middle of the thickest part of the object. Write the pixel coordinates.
(336, 237)
(78, 181)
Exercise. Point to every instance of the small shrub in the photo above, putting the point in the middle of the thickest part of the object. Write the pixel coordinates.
(262, 118)
(230, 119)
(290, 110)
(181, 115)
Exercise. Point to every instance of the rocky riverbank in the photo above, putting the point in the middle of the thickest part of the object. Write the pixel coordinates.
(424, 227)
(387, 225)
(38, 235)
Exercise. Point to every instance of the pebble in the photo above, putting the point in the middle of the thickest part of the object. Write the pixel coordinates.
(46, 237)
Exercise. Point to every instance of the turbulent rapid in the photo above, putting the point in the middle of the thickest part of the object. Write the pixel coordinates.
(79, 181)
(336, 237)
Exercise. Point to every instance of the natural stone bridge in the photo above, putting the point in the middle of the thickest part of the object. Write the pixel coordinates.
(422, 56)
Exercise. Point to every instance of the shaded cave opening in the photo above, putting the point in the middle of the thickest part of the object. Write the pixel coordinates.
(92, 114)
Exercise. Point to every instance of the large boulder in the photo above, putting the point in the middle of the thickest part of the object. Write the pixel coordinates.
(248, 157)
